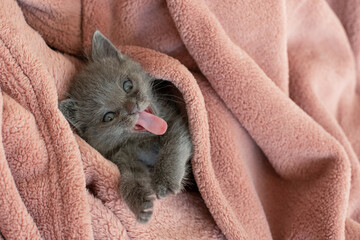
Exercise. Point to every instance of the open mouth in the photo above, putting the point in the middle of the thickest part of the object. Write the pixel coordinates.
(138, 127)
(149, 122)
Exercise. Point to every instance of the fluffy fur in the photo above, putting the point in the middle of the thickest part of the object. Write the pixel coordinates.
(150, 165)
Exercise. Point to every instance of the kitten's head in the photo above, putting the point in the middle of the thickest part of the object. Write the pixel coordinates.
(107, 96)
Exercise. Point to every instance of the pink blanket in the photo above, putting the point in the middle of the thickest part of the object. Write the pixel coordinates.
(272, 94)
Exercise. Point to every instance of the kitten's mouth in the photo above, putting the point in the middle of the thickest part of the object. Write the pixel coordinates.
(149, 122)
(138, 127)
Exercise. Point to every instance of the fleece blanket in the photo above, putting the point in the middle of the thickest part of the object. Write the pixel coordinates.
(272, 96)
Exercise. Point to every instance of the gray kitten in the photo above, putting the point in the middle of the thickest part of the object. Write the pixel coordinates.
(116, 107)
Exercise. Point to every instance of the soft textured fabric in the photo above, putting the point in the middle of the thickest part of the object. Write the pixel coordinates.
(272, 96)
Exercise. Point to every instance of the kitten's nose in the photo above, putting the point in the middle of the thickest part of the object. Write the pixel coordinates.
(130, 107)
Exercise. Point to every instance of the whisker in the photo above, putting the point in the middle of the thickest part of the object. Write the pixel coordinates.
(156, 83)
(171, 100)
(157, 89)
(170, 95)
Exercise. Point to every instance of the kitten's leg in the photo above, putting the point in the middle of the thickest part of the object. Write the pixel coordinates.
(171, 166)
(135, 187)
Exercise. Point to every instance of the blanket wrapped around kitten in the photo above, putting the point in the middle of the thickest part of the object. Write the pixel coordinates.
(120, 110)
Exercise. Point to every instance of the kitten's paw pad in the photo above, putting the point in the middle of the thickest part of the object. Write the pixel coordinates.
(164, 189)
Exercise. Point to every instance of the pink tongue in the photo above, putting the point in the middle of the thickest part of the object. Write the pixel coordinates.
(152, 123)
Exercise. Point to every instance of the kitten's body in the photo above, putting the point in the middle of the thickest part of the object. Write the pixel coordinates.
(149, 164)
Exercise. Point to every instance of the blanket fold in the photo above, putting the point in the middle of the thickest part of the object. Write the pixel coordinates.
(271, 93)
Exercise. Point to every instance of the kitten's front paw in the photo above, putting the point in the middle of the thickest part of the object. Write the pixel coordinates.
(146, 209)
(164, 186)
(140, 201)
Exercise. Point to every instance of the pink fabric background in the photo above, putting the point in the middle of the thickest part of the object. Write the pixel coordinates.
(271, 89)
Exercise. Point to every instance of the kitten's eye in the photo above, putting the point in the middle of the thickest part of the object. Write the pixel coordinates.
(108, 117)
(127, 86)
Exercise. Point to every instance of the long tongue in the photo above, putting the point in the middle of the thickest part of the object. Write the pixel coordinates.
(152, 123)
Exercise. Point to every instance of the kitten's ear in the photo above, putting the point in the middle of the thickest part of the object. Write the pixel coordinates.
(102, 47)
(68, 107)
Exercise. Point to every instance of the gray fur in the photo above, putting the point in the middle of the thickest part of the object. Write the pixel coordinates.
(150, 165)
